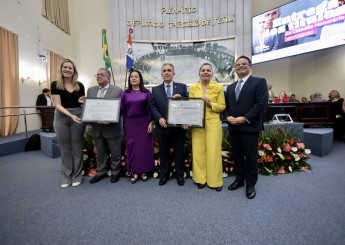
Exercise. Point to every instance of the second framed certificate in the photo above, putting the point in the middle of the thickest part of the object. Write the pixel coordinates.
(186, 112)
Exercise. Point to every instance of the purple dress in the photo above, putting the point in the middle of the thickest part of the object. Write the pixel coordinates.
(139, 143)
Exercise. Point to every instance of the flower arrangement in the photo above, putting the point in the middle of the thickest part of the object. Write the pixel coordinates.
(89, 153)
(279, 152)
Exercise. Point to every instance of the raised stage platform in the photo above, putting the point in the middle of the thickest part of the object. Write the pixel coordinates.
(15, 143)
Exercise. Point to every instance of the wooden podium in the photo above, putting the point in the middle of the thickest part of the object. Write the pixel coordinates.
(47, 116)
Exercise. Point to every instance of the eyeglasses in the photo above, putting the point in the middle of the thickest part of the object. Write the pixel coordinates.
(101, 75)
(243, 64)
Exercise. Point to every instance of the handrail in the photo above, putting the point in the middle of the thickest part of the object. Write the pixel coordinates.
(21, 114)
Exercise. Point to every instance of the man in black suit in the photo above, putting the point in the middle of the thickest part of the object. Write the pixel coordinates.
(168, 136)
(246, 100)
(44, 98)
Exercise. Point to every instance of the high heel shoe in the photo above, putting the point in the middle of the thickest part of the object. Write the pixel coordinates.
(200, 186)
(144, 177)
(134, 179)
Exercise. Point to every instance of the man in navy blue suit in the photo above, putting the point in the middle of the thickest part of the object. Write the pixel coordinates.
(246, 100)
(168, 136)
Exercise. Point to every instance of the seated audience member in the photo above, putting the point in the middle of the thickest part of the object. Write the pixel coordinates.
(337, 115)
(304, 99)
(330, 96)
(318, 97)
(283, 98)
(293, 98)
(44, 98)
(311, 97)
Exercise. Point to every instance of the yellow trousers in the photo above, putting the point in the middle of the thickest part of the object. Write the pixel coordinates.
(207, 154)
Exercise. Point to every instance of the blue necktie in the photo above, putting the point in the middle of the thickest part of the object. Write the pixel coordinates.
(168, 91)
(238, 88)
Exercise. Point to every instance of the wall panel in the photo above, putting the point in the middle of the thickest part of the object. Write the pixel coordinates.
(150, 10)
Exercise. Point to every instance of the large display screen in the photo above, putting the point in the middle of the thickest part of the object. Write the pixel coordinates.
(298, 27)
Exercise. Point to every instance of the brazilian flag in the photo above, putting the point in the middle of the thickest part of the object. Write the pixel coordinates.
(106, 57)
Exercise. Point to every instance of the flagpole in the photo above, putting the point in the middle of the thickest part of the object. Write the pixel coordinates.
(126, 78)
(112, 73)
(129, 51)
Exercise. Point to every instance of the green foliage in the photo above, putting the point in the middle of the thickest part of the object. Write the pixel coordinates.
(279, 151)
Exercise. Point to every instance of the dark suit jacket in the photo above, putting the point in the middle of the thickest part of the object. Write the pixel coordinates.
(111, 130)
(159, 103)
(251, 103)
(41, 100)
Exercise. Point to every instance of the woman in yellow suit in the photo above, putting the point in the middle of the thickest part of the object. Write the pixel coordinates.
(207, 141)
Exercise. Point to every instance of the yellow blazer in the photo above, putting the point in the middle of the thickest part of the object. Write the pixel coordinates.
(215, 93)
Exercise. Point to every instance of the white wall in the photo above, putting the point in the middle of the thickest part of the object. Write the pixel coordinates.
(24, 18)
(90, 17)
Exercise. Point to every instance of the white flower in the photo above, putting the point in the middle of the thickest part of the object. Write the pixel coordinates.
(297, 158)
(225, 175)
(155, 175)
(307, 151)
(279, 150)
(185, 175)
(290, 168)
(261, 152)
(109, 173)
(294, 149)
(85, 157)
(191, 173)
(83, 172)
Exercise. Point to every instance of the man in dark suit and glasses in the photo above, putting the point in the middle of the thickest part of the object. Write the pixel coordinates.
(246, 100)
(168, 136)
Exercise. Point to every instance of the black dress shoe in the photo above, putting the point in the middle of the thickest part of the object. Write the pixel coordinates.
(115, 178)
(235, 185)
(180, 181)
(163, 181)
(200, 186)
(250, 192)
(218, 189)
(97, 178)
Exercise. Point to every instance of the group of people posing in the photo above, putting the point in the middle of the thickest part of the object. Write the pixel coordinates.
(143, 111)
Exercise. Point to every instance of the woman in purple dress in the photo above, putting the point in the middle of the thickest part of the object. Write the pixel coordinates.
(138, 127)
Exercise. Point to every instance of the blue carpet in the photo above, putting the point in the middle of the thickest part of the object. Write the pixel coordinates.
(298, 208)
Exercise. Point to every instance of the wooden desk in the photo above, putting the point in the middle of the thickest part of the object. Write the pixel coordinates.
(310, 113)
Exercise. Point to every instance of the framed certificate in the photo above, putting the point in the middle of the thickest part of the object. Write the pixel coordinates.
(101, 109)
(190, 112)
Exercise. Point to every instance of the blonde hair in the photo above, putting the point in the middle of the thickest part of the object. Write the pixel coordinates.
(60, 81)
(336, 93)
